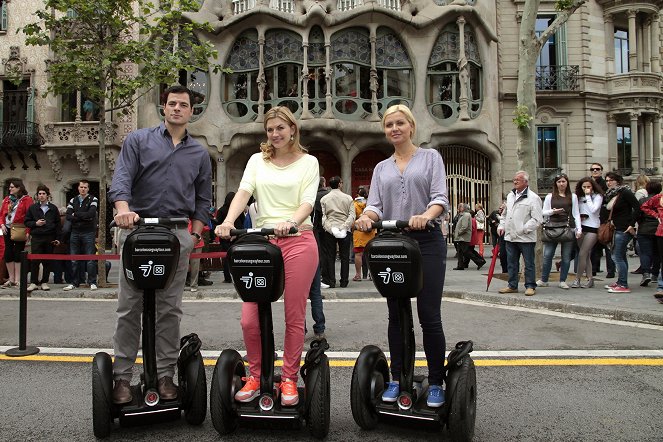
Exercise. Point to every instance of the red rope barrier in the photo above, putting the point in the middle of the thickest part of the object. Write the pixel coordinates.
(59, 256)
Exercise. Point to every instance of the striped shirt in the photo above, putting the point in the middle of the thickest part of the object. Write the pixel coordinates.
(398, 196)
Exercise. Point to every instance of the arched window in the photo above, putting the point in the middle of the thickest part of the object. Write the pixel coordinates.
(239, 90)
(284, 57)
(444, 84)
(351, 64)
(394, 70)
(316, 81)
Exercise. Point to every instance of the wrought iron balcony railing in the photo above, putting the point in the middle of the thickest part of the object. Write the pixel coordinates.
(557, 78)
(20, 135)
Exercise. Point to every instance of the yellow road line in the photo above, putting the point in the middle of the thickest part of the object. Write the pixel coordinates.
(420, 363)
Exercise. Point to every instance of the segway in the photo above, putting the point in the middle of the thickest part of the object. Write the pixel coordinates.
(149, 260)
(394, 261)
(257, 271)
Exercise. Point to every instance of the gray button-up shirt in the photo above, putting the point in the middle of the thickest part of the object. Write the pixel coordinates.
(159, 180)
(398, 196)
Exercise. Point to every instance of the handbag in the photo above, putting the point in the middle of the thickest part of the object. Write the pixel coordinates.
(18, 232)
(606, 231)
(557, 231)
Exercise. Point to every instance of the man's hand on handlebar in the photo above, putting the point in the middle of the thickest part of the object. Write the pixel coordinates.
(364, 224)
(126, 220)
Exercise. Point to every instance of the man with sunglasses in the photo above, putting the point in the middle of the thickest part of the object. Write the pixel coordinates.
(596, 172)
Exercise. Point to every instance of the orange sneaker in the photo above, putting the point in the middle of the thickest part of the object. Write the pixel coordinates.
(249, 391)
(289, 393)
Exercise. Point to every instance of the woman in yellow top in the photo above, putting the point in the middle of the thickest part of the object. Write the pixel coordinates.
(359, 238)
(283, 178)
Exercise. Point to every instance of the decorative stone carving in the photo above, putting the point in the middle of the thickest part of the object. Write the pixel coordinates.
(110, 160)
(56, 164)
(83, 162)
(14, 65)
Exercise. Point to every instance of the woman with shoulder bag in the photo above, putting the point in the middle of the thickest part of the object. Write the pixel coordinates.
(590, 199)
(625, 213)
(561, 206)
(12, 213)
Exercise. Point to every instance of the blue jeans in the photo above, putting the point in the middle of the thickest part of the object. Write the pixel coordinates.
(619, 256)
(315, 296)
(82, 243)
(513, 252)
(568, 250)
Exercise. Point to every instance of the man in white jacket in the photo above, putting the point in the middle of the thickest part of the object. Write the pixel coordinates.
(519, 223)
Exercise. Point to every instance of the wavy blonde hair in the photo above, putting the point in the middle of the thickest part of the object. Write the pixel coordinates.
(283, 113)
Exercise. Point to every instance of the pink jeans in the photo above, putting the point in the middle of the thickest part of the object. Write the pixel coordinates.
(300, 257)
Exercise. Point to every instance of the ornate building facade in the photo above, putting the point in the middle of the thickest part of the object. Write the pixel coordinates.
(338, 64)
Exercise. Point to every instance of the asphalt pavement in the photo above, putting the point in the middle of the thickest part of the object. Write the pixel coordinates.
(470, 284)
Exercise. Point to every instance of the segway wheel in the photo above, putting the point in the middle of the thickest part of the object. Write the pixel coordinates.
(101, 406)
(226, 380)
(318, 415)
(196, 412)
(370, 373)
(463, 408)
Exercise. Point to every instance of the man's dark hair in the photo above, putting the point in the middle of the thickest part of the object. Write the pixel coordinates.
(44, 188)
(84, 182)
(322, 183)
(176, 89)
(334, 182)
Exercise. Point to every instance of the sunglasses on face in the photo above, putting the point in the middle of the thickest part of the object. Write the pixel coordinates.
(596, 169)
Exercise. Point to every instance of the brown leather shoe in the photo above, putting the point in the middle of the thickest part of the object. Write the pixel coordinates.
(122, 392)
(507, 290)
(167, 390)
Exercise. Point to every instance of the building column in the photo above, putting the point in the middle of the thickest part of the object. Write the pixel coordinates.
(463, 72)
(635, 145)
(221, 180)
(632, 39)
(612, 141)
(609, 29)
(646, 46)
(656, 141)
(655, 44)
(647, 142)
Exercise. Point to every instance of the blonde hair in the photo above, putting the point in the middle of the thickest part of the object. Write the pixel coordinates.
(641, 181)
(283, 113)
(408, 116)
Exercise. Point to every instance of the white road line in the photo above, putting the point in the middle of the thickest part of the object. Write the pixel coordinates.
(420, 355)
(538, 311)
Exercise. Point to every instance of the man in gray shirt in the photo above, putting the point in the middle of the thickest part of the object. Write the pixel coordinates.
(160, 172)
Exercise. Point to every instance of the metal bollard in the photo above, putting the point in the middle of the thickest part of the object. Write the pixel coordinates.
(23, 349)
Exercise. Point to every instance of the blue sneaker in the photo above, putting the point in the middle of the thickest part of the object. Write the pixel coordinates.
(435, 396)
(390, 394)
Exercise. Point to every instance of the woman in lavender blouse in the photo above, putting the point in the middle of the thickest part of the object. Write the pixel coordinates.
(411, 185)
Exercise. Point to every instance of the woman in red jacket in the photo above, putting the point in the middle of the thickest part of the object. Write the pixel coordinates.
(13, 210)
(654, 207)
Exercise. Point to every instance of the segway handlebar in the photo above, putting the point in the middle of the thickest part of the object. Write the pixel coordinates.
(398, 225)
(262, 231)
(168, 222)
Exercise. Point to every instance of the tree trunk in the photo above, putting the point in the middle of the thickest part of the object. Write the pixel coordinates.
(101, 276)
(528, 52)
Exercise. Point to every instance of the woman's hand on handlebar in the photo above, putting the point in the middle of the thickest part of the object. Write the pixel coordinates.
(283, 228)
(419, 222)
(126, 220)
(364, 223)
(223, 229)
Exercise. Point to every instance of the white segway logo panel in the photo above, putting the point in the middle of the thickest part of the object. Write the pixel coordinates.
(156, 270)
(395, 277)
(249, 281)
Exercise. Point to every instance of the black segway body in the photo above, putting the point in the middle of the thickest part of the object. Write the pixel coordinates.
(149, 260)
(395, 262)
(257, 269)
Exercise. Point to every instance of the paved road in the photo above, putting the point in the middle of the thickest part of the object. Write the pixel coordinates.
(528, 385)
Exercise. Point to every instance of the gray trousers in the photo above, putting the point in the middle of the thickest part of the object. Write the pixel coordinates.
(169, 314)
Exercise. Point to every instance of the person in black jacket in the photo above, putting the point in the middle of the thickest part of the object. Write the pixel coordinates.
(82, 213)
(647, 225)
(625, 213)
(43, 220)
(596, 172)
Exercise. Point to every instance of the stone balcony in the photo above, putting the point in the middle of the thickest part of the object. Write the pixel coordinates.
(636, 83)
(78, 134)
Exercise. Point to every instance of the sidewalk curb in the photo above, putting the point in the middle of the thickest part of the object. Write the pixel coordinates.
(562, 307)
